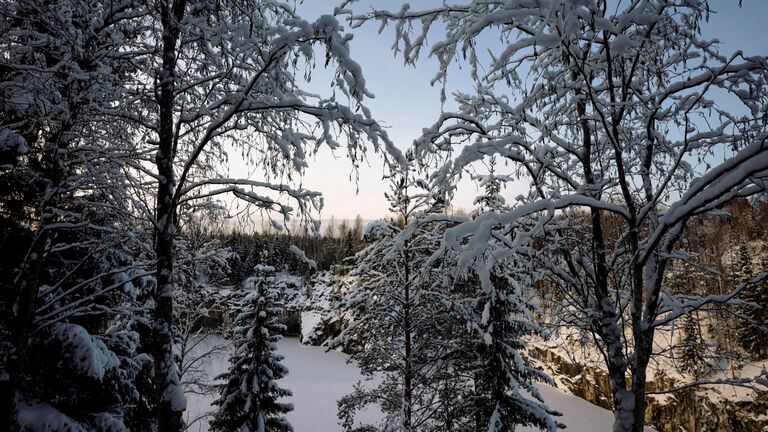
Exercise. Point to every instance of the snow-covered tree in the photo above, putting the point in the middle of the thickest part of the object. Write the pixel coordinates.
(611, 112)
(742, 264)
(490, 299)
(249, 399)
(500, 318)
(491, 199)
(449, 348)
(690, 350)
(227, 75)
(82, 370)
(64, 210)
(753, 326)
(388, 316)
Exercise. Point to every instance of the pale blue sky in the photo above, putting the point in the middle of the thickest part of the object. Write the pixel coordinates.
(405, 102)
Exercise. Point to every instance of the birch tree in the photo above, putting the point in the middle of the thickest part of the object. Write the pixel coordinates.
(622, 112)
(218, 76)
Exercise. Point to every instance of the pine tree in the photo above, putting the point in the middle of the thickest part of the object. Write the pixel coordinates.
(393, 319)
(249, 399)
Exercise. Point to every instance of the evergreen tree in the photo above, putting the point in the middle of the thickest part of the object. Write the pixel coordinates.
(491, 200)
(499, 316)
(752, 331)
(249, 399)
(689, 350)
(348, 244)
(504, 394)
(742, 266)
(393, 318)
(685, 278)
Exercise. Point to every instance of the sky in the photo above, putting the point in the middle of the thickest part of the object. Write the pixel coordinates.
(405, 102)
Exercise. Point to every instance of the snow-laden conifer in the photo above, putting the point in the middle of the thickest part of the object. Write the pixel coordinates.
(389, 314)
(249, 399)
(753, 327)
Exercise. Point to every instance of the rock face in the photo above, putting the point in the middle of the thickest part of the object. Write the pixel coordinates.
(690, 410)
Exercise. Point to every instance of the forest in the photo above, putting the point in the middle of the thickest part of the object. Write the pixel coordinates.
(145, 285)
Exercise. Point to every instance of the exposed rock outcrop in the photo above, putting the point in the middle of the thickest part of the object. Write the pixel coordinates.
(701, 409)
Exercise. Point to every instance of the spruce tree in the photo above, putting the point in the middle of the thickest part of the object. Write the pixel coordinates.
(505, 395)
(741, 269)
(249, 399)
(348, 244)
(689, 350)
(742, 266)
(500, 318)
(491, 200)
(686, 279)
(752, 332)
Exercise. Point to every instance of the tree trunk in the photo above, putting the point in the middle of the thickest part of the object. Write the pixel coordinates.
(169, 397)
(643, 351)
(478, 405)
(611, 333)
(169, 404)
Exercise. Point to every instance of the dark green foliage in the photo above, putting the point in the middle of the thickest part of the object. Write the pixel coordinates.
(249, 399)
(348, 248)
(690, 350)
(505, 395)
(753, 330)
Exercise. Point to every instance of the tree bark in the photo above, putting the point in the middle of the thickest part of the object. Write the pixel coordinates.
(169, 400)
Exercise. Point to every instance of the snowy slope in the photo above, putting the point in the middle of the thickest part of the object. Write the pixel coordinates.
(319, 378)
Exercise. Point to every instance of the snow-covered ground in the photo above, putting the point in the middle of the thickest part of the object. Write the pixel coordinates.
(318, 379)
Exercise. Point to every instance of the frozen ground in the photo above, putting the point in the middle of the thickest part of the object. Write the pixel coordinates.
(318, 379)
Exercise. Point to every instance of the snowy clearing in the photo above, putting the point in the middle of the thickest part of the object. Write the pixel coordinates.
(318, 378)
